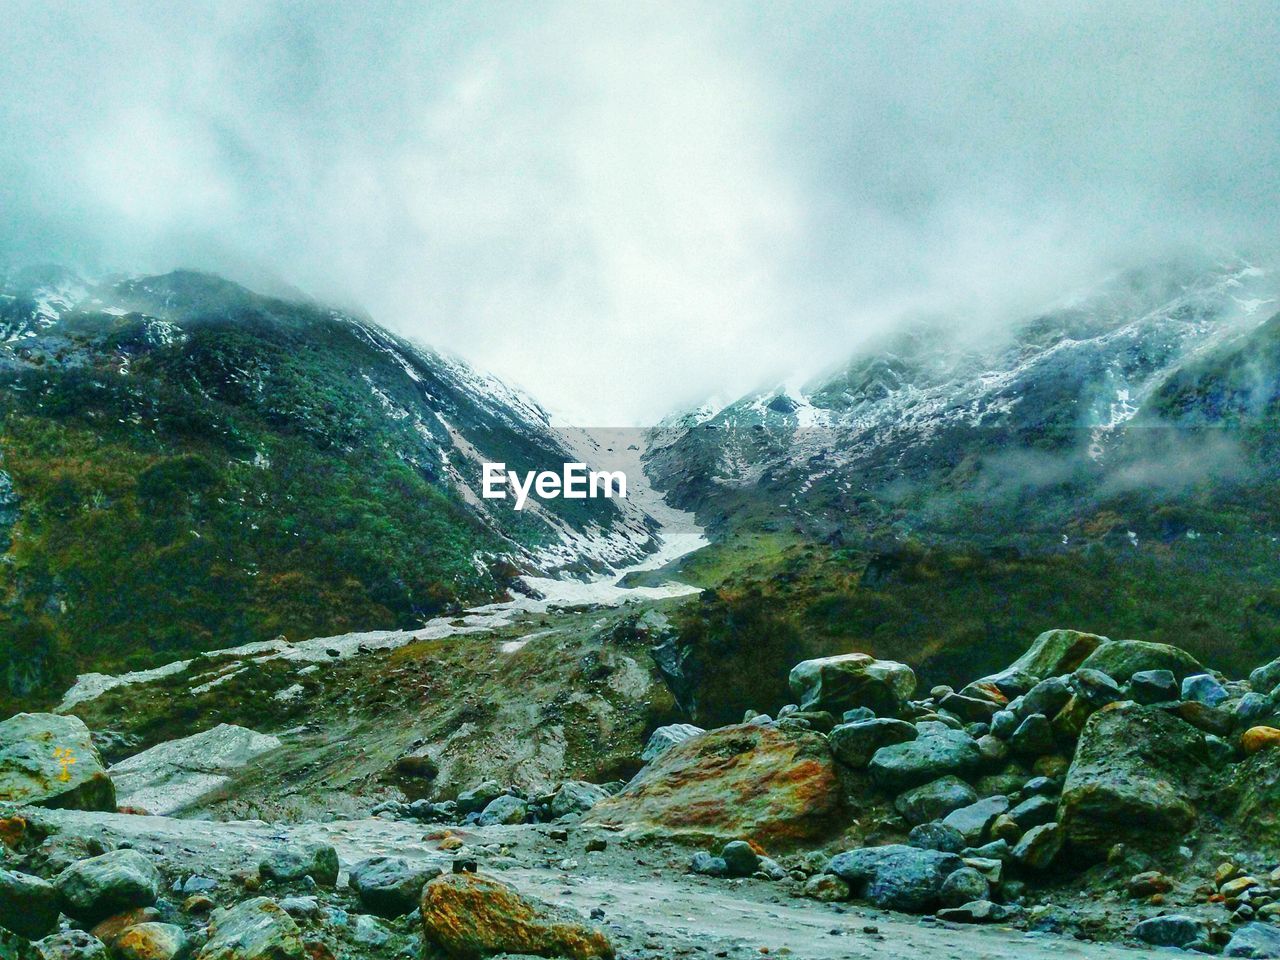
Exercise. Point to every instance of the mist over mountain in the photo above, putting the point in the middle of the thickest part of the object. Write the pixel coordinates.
(626, 210)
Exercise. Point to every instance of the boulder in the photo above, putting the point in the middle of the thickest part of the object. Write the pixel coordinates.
(1003, 723)
(289, 864)
(1204, 688)
(1039, 846)
(1266, 677)
(896, 877)
(466, 916)
(854, 744)
(506, 809)
(1254, 940)
(743, 781)
(1254, 802)
(1121, 659)
(1135, 779)
(1171, 930)
(827, 888)
(704, 864)
(478, 797)
(1034, 811)
(1153, 686)
(257, 929)
(934, 800)
(71, 945)
(1253, 708)
(836, 684)
(48, 760)
(936, 836)
(1051, 654)
(905, 765)
(576, 796)
(391, 886)
(1033, 737)
(175, 775)
(740, 859)
(1095, 688)
(964, 886)
(1047, 697)
(100, 887)
(969, 709)
(973, 821)
(28, 905)
(151, 941)
(663, 738)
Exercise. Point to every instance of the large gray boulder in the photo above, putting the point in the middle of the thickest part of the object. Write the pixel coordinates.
(175, 775)
(936, 754)
(854, 744)
(896, 877)
(100, 887)
(1121, 659)
(48, 760)
(257, 929)
(1171, 930)
(28, 905)
(840, 683)
(391, 886)
(1136, 778)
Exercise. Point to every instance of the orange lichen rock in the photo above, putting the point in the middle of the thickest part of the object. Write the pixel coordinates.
(469, 916)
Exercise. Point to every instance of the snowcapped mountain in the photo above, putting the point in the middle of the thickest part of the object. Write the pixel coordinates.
(1077, 395)
(187, 464)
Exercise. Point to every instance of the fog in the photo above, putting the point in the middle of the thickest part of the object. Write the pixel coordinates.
(628, 207)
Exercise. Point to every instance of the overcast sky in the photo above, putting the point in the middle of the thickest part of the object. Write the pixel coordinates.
(627, 207)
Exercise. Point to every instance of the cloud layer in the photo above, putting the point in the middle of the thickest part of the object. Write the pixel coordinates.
(628, 207)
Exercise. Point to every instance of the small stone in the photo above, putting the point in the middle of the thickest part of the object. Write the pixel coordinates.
(1039, 846)
(963, 886)
(1173, 930)
(257, 929)
(289, 864)
(391, 886)
(1259, 738)
(94, 889)
(979, 911)
(1005, 827)
(28, 905)
(1204, 688)
(1153, 686)
(1033, 737)
(935, 800)
(854, 744)
(1149, 883)
(707, 865)
(936, 836)
(974, 820)
(151, 941)
(70, 945)
(597, 845)
(827, 888)
(506, 809)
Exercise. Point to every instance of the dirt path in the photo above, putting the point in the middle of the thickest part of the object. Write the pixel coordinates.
(652, 908)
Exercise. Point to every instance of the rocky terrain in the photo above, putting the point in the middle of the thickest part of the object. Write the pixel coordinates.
(1093, 798)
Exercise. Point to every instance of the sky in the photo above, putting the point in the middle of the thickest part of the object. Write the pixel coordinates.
(629, 207)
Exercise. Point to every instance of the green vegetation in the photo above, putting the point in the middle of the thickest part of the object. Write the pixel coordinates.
(224, 486)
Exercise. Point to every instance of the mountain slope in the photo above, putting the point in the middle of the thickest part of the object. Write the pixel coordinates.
(187, 465)
(1110, 463)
